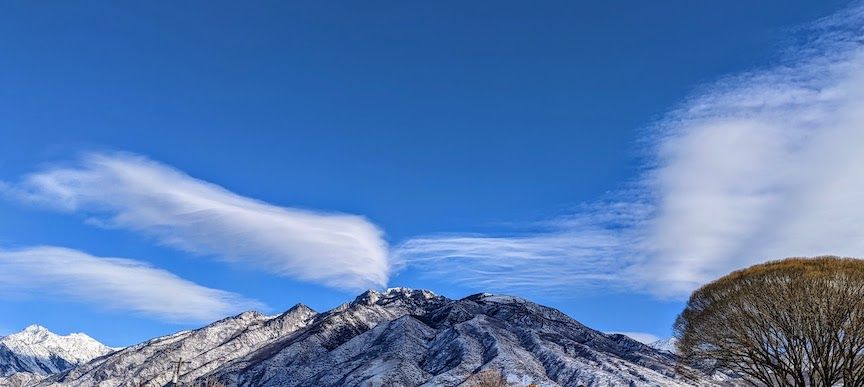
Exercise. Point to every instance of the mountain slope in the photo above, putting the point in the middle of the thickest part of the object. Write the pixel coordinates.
(36, 350)
(401, 337)
(409, 338)
(152, 363)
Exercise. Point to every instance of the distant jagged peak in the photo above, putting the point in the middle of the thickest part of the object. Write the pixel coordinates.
(32, 333)
(372, 297)
(37, 334)
(35, 349)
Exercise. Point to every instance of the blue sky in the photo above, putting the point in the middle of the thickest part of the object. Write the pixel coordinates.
(602, 158)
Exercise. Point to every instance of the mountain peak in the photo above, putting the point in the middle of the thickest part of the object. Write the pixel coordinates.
(34, 328)
(299, 311)
(300, 307)
(37, 350)
(371, 296)
(368, 297)
(403, 290)
(409, 292)
(32, 334)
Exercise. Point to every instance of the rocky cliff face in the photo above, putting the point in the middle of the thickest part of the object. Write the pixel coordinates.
(401, 337)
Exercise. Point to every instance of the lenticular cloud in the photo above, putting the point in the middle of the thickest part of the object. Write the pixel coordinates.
(132, 192)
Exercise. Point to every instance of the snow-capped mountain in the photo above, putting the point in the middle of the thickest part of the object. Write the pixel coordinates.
(36, 350)
(401, 337)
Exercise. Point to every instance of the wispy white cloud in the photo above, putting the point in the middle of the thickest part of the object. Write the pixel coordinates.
(761, 166)
(566, 252)
(121, 190)
(113, 283)
(757, 166)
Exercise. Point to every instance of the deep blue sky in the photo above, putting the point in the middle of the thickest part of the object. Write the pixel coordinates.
(424, 117)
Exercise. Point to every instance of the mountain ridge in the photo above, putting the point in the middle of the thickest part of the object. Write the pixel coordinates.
(399, 337)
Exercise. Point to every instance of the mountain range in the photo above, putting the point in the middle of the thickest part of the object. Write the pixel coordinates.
(400, 337)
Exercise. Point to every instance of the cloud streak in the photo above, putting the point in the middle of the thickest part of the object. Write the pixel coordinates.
(113, 283)
(128, 191)
(567, 251)
(757, 166)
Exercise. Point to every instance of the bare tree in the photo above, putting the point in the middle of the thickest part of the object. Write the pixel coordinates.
(794, 322)
(487, 378)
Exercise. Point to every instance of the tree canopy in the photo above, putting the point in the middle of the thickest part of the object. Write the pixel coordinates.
(793, 322)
